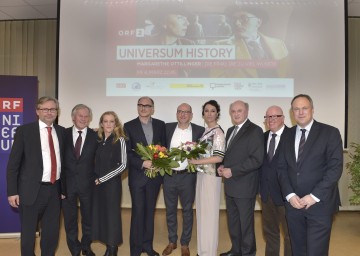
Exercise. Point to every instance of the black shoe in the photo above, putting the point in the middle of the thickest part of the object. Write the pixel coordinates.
(113, 250)
(229, 253)
(152, 253)
(88, 252)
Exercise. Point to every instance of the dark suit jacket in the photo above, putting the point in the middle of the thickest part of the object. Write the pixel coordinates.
(244, 156)
(269, 183)
(135, 134)
(25, 165)
(79, 174)
(197, 132)
(318, 172)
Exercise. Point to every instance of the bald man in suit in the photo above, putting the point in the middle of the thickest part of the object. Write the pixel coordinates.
(272, 201)
(243, 158)
(144, 191)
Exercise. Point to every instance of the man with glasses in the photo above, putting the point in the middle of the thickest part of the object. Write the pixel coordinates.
(309, 171)
(253, 45)
(272, 202)
(171, 28)
(181, 185)
(33, 174)
(143, 190)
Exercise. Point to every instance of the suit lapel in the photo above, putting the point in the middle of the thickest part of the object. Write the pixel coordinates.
(138, 130)
(170, 133)
(37, 140)
(291, 144)
(310, 140)
(238, 134)
(86, 142)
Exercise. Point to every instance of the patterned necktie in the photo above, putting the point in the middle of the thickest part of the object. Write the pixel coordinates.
(78, 146)
(233, 134)
(271, 150)
(52, 156)
(301, 144)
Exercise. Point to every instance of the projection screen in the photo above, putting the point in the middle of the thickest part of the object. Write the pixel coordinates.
(113, 52)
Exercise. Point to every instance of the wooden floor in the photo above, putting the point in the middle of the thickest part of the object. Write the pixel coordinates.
(345, 238)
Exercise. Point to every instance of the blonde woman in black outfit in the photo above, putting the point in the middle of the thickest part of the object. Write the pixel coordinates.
(110, 162)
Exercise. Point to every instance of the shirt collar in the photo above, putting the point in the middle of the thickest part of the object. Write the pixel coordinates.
(279, 132)
(43, 125)
(307, 128)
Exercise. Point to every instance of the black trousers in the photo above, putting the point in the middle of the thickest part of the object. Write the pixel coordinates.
(143, 200)
(179, 186)
(45, 209)
(70, 211)
(309, 234)
(240, 214)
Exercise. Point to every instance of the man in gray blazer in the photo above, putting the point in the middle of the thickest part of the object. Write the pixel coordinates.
(309, 170)
(240, 169)
(181, 185)
(33, 177)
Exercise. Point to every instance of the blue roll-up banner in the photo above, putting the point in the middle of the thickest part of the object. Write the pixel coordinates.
(18, 97)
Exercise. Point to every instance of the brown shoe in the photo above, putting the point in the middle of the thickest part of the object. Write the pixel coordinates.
(185, 250)
(169, 248)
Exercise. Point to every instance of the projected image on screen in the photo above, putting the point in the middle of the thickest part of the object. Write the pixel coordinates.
(111, 52)
(183, 48)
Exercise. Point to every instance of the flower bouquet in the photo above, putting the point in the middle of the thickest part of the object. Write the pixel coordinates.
(159, 156)
(189, 150)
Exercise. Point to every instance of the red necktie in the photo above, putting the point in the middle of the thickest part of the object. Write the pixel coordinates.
(52, 156)
(78, 146)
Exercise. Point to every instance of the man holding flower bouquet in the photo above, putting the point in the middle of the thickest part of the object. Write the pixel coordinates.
(182, 182)
(143, 190)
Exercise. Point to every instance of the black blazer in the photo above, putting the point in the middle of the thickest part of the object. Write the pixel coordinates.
(79, 175)
(135, 134)
(244, 156)
(25, 165)
(269, 183)
(197, 132)
(318, 172)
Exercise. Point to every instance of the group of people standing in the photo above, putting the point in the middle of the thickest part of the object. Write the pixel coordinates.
(297, 168)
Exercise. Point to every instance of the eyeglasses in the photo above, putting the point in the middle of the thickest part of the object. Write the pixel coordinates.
(144, 106)
(183, 112)
(274, 117)
(47, 110)
(244, 18)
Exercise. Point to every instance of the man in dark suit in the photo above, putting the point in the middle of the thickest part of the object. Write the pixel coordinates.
(182, 183)
(309, 170)
(80, 145)
(240, 169)
(272, 201)
(33, 174)
(143, 190)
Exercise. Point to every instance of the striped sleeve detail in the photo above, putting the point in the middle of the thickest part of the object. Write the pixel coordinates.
(219, 153)
(120, 167)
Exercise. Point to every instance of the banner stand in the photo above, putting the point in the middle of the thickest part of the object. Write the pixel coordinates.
(18, 99)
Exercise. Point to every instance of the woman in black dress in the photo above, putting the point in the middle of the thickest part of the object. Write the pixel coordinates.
(110, 162)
